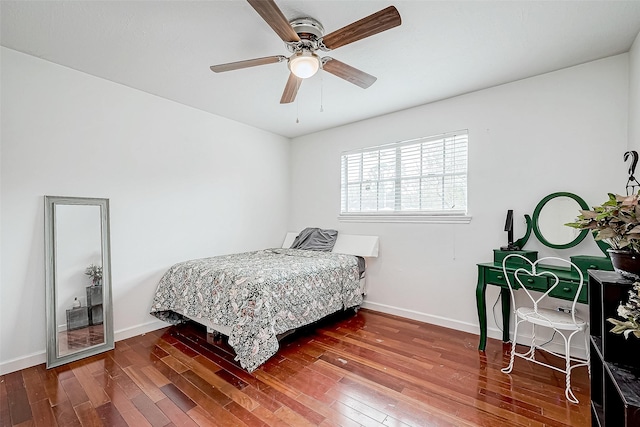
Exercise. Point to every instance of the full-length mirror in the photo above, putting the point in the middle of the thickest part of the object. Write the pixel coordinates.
(78, 278)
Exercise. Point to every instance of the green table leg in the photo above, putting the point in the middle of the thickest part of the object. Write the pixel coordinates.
(482, 308)
(505, 296)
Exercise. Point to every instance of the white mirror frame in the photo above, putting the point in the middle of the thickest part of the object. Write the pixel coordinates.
(53, 358)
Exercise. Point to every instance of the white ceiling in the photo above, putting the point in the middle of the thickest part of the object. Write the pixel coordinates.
(442, 49)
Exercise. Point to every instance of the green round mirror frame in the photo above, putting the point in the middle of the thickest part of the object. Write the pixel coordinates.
(538, 217)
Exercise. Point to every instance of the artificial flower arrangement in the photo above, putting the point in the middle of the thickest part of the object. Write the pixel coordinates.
(631, 313)
(95, 272)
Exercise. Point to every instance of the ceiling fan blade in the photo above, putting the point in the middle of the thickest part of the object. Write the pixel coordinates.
(368, 26)
(347, 72)
(273, 16)
(291, 89)
(247, 63)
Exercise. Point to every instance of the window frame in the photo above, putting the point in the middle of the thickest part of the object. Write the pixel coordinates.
(447, 216)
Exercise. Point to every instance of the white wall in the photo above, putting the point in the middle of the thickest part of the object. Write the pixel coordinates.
(182, 184)
(634, 95)
(562, 131)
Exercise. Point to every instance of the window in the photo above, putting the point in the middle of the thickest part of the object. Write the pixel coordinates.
(410, 179)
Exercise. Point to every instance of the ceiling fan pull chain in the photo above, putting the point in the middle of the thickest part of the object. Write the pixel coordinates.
(297, 111)
(321, 94)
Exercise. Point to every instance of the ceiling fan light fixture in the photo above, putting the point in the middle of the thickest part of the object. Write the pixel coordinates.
(304, 64)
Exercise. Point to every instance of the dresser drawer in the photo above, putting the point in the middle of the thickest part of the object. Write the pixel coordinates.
(587, 262)
(538, 283)
(530, 282)
(497, 277)
(567, 290)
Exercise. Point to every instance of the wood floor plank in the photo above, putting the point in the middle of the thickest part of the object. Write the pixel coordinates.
(94, 391)
(176, 414)
(34, 385)
(87, 415)
(122, 401)
(327, 411)
(289, 401)
(368, 369)
(293, 418)
(178, 397)
(52, 386)
(175, 364)
(144, 383)
(155, 376)
(43, 414)
(65, 414)
(110, 416)
(17, 398)
(202, 417)
(5, 416)
(151, 412)
(245, 416)
(268, 417)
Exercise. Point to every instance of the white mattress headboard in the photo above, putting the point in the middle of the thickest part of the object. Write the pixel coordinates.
(364, 246)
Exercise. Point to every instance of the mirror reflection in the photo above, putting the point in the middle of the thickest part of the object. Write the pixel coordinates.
(78, 285)
(550, 216)
(79, 296)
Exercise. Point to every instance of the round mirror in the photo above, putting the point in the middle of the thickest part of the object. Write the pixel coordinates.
(552, 213)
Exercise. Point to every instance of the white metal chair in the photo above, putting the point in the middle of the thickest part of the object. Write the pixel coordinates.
(566, 325)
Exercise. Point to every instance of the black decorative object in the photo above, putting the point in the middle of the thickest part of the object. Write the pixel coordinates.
(632, 183)
(508, 227)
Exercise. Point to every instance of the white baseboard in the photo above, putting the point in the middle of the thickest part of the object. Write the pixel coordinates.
(23, 362)
(577, 348)
(141, 329)
(38, 358)
(429, 318)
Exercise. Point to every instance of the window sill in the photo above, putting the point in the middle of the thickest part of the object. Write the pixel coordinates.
(431, 219)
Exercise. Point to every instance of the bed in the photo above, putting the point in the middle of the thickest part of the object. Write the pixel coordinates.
(255, 297)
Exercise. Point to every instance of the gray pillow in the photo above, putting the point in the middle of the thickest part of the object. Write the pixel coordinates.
(315, 239)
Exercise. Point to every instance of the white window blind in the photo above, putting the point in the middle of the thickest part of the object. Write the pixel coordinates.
(424, 176)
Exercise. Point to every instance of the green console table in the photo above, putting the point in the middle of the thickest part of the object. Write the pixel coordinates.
(548, 211)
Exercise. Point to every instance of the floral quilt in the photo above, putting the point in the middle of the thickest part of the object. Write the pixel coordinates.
(259, 294)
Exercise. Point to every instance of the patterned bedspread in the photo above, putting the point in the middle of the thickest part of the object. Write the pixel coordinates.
(259, 294)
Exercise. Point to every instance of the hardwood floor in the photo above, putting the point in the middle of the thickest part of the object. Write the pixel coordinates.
(368, 369)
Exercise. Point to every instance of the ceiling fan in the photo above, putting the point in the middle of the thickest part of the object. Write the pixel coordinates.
(303, 37)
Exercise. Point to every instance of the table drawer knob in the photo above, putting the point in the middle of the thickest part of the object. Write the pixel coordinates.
(500, 276)
(530, 280)
(566, 289)
(593, 267)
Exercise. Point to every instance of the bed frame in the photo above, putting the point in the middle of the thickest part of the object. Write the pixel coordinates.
(364, 246)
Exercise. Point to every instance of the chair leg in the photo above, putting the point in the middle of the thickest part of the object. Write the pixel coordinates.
(532, 352)
(508, 369)
(568, 392)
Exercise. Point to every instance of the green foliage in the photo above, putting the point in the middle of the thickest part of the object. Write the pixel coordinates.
(616, 222)
(631, 313)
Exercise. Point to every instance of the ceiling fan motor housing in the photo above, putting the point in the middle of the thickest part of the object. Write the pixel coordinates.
(307, 28)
